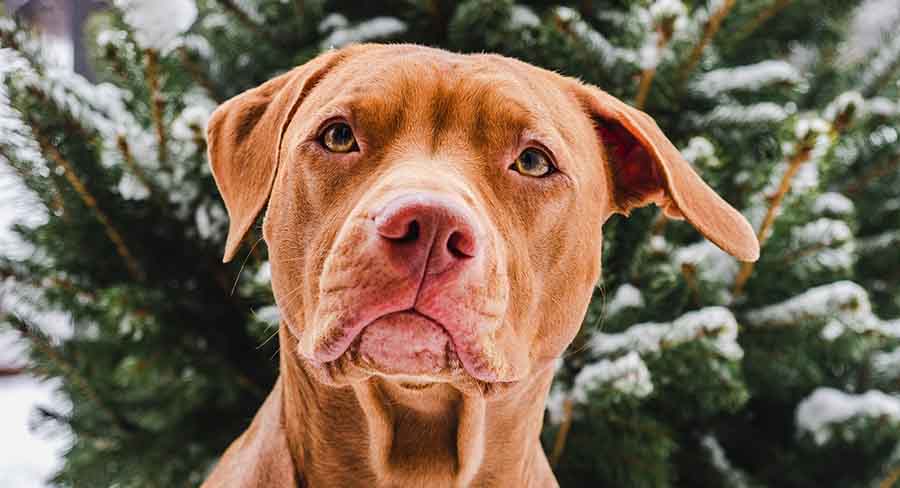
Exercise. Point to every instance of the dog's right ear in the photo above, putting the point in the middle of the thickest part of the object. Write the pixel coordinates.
(647, 168)
(244, 140)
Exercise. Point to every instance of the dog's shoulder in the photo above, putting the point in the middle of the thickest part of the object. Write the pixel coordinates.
(260, 457)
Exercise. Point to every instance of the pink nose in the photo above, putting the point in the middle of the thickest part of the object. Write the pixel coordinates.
(419, 227)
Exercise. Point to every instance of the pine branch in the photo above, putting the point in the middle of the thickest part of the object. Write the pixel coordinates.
(157, 104)
(801, 156)
(69, 172)
(244, 18)
(199, 76)
(128, 157)
(40, 342)
(876, 172)
(689, 271)
(6, 371)
(761, 19)
(891, 479)
(559, 442)
(664, 32)
(712, 27)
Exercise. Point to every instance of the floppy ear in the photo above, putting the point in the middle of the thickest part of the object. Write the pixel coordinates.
(647, 168)
(244, 140)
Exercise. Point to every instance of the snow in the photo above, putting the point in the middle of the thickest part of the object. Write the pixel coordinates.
(627, 374)
(662, 10)
(886, 58)
(884, 107)
(758, 113)
(131, 188)
(269, 315)
(29, 457)
(887, 363)
(607, 54)
(522, 16)
(649, 55)
(701, 151)
(627, 296)
(263, 275)
(554, 404)
(851, 100)
(823, 231)
(715, 326)
(880, 242)
(376, 28)
(751, 77)
(211, 220)
(843, 304)
(827, 407)
(157, 24)
(734, 477)
(333, 21)
(843, 299)
(833, 203)
(809, 127)
(713, 264)
(193, 118)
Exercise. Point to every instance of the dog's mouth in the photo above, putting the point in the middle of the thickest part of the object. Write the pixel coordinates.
(408, 345)
(405, 343)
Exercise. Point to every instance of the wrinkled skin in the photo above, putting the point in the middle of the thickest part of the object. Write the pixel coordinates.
(427, 361)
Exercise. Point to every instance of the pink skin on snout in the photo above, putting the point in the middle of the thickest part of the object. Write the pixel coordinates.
(415, 242)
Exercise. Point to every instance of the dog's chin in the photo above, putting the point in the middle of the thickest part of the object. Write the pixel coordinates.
(406, 348)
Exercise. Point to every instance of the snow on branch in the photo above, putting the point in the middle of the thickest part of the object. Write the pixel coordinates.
(884, 107)
(158, 24)
(16, 140)
(823, 231)
(735, 477)
(343, 34)
(752, 77)
(522, 16)
(714, 264)
(756, 114)
(700, 151)
(627, 374)
(626, 296)
(844, 304)
(880, 242)
(607, 54)
(715, 326)
(826, 408)
(833, 203)
(881, 67)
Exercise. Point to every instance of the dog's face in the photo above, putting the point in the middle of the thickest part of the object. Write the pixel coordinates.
(435, 217)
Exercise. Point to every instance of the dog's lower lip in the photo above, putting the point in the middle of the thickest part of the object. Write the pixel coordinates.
(347, 346)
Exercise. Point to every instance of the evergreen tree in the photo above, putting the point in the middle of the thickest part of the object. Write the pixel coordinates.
(691, 369)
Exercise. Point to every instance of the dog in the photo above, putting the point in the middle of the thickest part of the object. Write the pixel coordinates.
(434, 225)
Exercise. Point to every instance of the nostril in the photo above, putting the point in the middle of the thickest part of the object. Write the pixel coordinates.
(412, 232)
(460, 245)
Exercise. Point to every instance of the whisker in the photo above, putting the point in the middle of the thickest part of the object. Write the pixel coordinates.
(244, 263)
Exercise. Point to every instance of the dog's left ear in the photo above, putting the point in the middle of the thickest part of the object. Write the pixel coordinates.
(244, 140)
(646, 168)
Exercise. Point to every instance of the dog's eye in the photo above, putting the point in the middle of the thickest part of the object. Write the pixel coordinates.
(533, 162)
(338, 137)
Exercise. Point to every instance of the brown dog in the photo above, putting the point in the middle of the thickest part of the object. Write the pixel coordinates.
(434, 228)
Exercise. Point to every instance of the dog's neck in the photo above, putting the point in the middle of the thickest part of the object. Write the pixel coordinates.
(378, 432)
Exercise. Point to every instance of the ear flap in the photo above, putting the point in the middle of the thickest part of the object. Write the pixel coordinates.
(647, 168)
(244, 139)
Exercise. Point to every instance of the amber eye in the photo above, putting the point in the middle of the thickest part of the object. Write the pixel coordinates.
(533, 162)
(338, 137)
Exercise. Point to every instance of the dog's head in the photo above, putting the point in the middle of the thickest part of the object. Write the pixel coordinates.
(437, 217)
